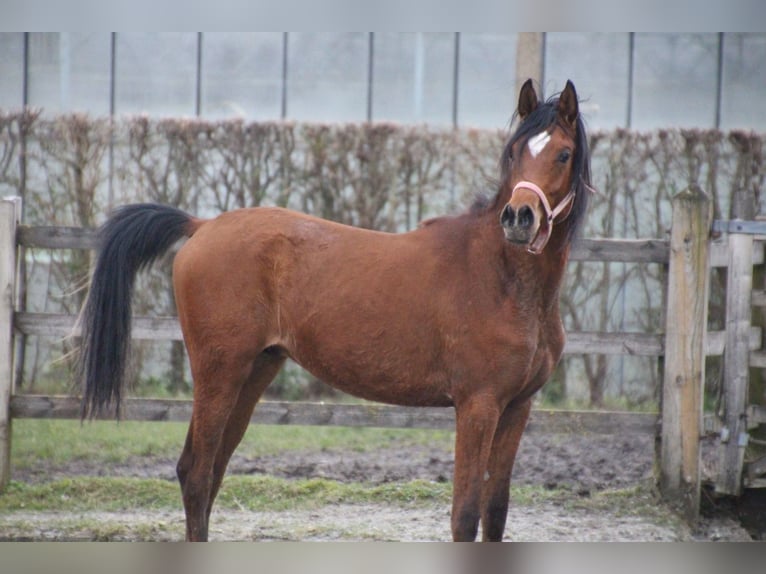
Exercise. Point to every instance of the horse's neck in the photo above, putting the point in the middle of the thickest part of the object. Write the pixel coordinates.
(544, 273)
(552, 268)
(536, 277)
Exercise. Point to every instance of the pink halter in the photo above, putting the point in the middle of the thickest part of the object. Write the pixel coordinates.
(544, 234)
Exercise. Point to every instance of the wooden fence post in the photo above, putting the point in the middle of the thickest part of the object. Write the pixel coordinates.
(736, 364)
(685, 332)
(9, 213)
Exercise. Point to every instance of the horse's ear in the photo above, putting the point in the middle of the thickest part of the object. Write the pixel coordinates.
(568, 107)
(528, 101)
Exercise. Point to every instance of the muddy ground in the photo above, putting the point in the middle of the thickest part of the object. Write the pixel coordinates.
(580, 466)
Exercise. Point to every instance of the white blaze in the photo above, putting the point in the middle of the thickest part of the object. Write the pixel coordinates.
(537, 143)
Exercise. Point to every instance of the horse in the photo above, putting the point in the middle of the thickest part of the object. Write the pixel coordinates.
(460, 312)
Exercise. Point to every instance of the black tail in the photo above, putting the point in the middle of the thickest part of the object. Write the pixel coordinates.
(133, 238)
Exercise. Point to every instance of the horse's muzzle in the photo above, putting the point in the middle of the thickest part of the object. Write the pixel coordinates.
(519, 225)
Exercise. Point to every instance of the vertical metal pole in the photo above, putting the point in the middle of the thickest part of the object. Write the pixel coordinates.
(112, 103)
(456, 80)
(198, 87)
(21, 279)
(25, 72)
(65, 70)
(112, 72)
(284, 76)
(455, 89)
(370, 73)
(23, 145)
(543, 48)
(719, 82)
(628, 113)
(418, 80)
(631, 66)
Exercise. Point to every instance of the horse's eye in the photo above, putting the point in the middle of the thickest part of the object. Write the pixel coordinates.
(564, 156)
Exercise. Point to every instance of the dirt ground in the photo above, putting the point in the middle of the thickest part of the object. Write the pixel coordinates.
(581, 466)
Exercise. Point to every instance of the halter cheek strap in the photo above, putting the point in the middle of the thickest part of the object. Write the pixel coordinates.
(564, 207)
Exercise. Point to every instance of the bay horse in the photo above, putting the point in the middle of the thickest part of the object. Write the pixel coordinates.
(462, 311)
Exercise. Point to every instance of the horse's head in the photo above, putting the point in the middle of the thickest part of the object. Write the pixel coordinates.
(545, 168)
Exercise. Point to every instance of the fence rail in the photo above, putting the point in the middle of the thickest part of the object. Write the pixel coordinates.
(577, 343)
(339, 414)
(601, 250)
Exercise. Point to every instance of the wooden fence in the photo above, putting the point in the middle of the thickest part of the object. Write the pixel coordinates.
(689, 255)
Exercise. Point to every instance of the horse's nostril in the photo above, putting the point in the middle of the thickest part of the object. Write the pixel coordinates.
(507, 217)
(526, 217)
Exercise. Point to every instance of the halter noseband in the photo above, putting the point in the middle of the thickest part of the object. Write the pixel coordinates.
(564, 206)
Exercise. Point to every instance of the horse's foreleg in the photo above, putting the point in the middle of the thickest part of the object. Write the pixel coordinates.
(494, 505)
(265, 368)
(476, 422)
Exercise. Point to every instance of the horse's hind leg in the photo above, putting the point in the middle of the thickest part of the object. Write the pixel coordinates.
(217, 387)
(497, 486)
(265, 368)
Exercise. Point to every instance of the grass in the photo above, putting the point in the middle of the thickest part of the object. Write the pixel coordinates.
(247, 493)
(60, 441)
(111, 509)
(266, 493)
(83, 494)
(57, 442)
